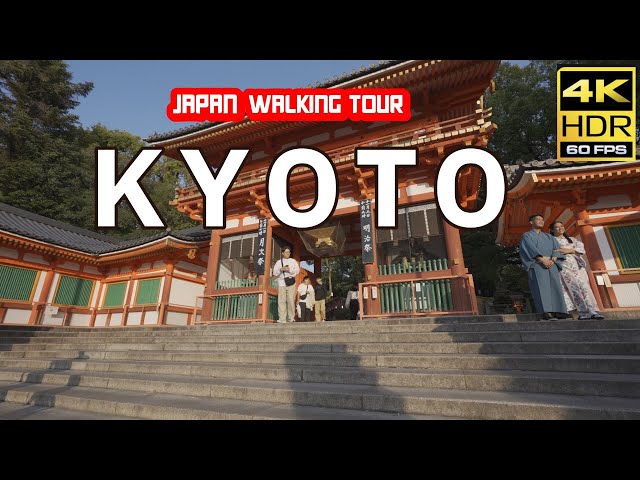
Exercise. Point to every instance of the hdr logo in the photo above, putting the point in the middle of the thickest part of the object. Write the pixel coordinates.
(597, 113)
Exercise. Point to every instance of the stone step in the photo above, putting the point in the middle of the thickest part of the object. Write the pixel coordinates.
(14, 411)
(64, 350)
(394, 400)
(176, 407)
(189, 380)
(597, 335)
(324, 328)
(629, 364)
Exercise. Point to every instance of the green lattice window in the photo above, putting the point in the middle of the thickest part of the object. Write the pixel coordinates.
(17, 283)
(73, 291)
(148, 291)
(626, 240)
(115, 294)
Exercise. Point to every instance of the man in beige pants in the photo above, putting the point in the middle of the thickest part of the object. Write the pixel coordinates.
(286, 268)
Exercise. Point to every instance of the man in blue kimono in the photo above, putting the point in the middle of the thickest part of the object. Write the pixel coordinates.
(539, 255)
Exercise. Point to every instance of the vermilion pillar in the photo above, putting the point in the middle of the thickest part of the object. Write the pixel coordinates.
(166, 290)
(265, 279)
(596, 262)
(212, 274)
(44, 294)
(371, 269)
(460, 291)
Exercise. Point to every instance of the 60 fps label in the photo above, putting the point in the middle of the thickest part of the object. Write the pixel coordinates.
(596, 113)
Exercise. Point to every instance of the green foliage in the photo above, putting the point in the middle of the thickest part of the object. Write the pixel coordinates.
(42, 168)
(345, 272)
(524, 108)
(47, 161)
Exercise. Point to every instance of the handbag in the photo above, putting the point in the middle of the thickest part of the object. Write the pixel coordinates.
(304, 297)
(288, 281)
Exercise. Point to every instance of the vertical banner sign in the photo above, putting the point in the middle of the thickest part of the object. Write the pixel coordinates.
(596, 113)
(365, 231)
(261, 246)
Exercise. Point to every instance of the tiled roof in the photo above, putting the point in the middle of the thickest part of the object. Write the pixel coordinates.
(515, 172)
(345, 77)
(34, 226)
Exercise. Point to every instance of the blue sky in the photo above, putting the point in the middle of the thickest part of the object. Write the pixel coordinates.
(132, 95)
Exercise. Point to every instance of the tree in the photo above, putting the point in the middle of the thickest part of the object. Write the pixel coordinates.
(524, 108)
(41, 165)
(159, 183)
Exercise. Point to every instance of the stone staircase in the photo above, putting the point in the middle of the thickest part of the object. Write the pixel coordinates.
(484, 367)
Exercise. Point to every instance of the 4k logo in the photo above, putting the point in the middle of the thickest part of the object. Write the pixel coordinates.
(597, 113)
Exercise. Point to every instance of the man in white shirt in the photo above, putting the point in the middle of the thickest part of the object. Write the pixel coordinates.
(286, 268)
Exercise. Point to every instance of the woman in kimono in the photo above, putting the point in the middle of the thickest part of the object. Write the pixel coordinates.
(575, 281)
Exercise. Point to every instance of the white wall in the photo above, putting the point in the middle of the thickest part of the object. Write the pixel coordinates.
(133, 318)
(101, 320)
(151, 318)
(610, 201)
(54, 285)
(16, 316)
(30, 257)
(71, 266)
(191, 267)
(95, 301)
(605, 249)
(91, 269)
(39, 286)
(80, 319)
(116, 320)
(628, 294)
(8, 252)
(184, 292)
(176, 318)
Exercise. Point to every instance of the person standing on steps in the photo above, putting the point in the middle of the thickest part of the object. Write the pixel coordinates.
(575, 281)
(306, 299)
(351, 302)
(321, 299)
(286, 270)
(540, 255)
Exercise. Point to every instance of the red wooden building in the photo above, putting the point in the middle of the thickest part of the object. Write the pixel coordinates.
(599, 203)
(418, 267)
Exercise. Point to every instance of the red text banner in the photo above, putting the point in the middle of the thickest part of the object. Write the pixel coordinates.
(286, 105)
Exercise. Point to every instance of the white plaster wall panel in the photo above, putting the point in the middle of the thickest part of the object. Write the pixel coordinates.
(184, 292)
(610, 201)
(8, 252)
(91, 269)
(176, 318)
(80, 320)
(39, 286)
(151, 318)
(233, 223)
(346, 203)
(101, 320)
(95, 300)
(628, 294)
(191, 267)
(612, 214)
(54, 284)
(146, 266)
(419, 188)
(116, 320)
(16, 316)
(134, 318)
(30, 257)
(605, 249)
(250, 220)
(70, 266)
(48, 319)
